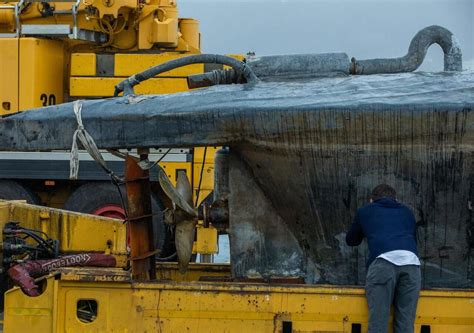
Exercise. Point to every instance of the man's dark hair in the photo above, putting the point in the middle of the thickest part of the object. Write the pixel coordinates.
(383, 190)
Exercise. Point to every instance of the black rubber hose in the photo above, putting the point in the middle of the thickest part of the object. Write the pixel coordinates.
(169, 258)
(126, 86)
(416, 54)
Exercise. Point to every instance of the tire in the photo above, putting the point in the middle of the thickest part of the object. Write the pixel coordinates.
(91, 197)
(11, 190)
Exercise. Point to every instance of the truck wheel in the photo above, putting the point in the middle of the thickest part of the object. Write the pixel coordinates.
(103, 198)
(11, 190)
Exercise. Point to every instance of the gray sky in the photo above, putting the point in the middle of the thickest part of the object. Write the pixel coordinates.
(361, 28)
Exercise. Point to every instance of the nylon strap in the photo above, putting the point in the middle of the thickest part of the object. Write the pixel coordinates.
(88, 143)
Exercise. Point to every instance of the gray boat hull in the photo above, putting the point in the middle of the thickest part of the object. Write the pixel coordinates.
(311, 152)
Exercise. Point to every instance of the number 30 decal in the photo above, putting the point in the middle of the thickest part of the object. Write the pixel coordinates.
(48, 100)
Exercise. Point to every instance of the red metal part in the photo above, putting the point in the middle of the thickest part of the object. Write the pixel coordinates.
(140, 220)
(110, 210)
(113, 211)
(24, 274)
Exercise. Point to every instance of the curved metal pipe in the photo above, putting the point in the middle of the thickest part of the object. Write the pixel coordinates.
(416, 54)
(240, 67)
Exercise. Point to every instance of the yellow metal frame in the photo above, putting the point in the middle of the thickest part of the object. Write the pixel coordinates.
(76, 232)
(84, 82)
(41, 71)
(169, 306)
(206, 240)
(32, 73)
(9, 59)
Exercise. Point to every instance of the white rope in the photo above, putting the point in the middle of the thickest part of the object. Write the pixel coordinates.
(87, 142)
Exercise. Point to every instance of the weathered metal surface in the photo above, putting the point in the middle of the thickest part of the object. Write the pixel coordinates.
(289, 114)
(73, 230)
(92, 274)
(185, 224)
(217, 212)
(416, 54)
(262, 244)
(140, 220)
(218, 307)
(299, 66)
(195, 272)
(23, 274)
(314, 149)
(278, 280)
(164, 270)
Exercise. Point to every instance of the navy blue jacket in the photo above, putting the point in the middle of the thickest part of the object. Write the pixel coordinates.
(388, 226)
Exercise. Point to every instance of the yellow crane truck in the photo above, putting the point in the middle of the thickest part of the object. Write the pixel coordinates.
(55, 52)
(348, 124)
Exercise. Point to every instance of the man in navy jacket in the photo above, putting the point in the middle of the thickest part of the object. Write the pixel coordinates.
(393, 275)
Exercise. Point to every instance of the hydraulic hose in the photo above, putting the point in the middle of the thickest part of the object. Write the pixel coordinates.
(126, 86)
(416, 54)
(23, 274)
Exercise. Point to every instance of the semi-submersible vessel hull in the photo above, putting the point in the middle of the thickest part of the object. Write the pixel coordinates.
(302, 156)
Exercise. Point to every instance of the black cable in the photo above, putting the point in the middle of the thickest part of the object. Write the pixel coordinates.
(160, 159)
(126, 86)
(36, 231)
(41, 242)
(168, 258)
(116, 181)
(200, 177)
(36, 238)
